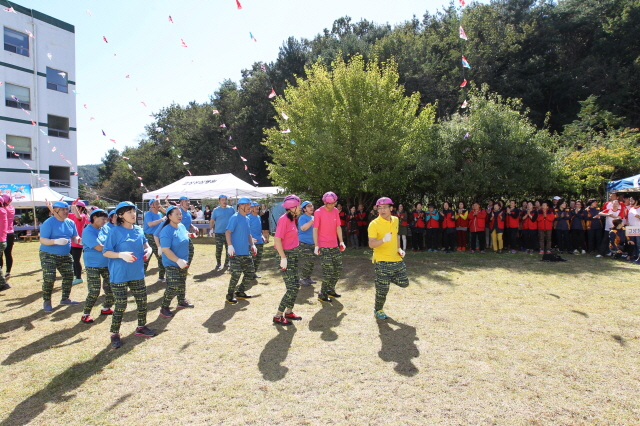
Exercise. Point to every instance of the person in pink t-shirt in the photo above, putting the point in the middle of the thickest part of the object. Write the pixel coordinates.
(81, 219)
(3, 239)
(11, 214)
(287, 244)
(327, 237)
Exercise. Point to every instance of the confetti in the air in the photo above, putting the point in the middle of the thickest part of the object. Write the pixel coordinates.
(464, 83)
(30, 33)
(463, 35)
(465, 64)
(273, 93)
(170, 19)
(464, 104)
(49, 55)
(285, 116)
(88, 12)
(286, 131)
(105, 39)
(238, 4)
(215, 111)
(182, 43)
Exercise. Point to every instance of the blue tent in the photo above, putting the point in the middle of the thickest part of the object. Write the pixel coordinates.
(630, 184)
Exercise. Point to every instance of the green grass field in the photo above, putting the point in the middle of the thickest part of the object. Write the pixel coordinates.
(475, 339)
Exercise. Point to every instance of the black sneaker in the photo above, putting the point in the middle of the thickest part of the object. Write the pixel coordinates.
(332, 293)
(144, 331)
(323, 297)
(166, 312)
(231, 300)
(242, 295)
(257, 276)
(115, 341)
(218, 267)
(184, 304)
(4, 287)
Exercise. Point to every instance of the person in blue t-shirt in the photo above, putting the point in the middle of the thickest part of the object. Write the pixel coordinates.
(305, 235)
(126, 247)
(255, 227)
(56, 234)
(175, 251)
(187, 219)
(240, 243)
(153, 220)
(220, 219)
(93, 238)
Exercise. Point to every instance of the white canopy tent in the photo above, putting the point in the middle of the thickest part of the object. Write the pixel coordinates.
(39, 197)
(212, 186)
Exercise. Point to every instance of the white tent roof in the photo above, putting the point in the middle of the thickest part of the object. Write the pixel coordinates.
(198, 187)
(39, 197)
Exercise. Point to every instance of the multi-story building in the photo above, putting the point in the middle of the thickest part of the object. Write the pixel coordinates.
(37, 72)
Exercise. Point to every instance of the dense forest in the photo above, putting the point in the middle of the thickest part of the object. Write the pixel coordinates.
(559, 75)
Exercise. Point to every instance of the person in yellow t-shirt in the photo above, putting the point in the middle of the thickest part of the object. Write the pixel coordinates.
(387, 254)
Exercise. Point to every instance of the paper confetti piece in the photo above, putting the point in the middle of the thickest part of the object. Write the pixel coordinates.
(143, 103)
(235, 147)
(464, 83)
(462, 3)
(242, 158)
(185, 164)
(263, 67)
(126, 158)
(127, 76)
(293, 142)
(159, 129)
(252, 37)
(10, 9)
(91, 118)
(251, 174)
(53, 149)
(105, 40)
(285, 116)
(75, 93)
(85, 106)
(254, 182)
(238, 4)
(88, 12)
(113, 140)
(129, 166)
(103, 133)
(229, 138)
(43, 132)
(272, 94)
(33, 122)
(215, 111)
(465, 64)
(30, 33)
(245, 167)
(464, 104)
(223, 125)
(170, 19)
(10, 146)
(466, 135)
(286, 131)
(49, 55)
(182, 43)
(25, 111)
(63, 74)
(189, 173)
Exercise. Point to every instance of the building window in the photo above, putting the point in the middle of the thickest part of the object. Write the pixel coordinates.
(18, 147)
(58, 126)
(59, 177)
(16, 42)
(57, 80)
(17, 96)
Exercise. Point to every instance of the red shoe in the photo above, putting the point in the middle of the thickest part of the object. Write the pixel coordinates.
(86, 319)
(107, 311)
(281, 321)
(459, 249)
(464, 249)
(292, 316)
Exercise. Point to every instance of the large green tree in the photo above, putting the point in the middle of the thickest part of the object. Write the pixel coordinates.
(349, 129)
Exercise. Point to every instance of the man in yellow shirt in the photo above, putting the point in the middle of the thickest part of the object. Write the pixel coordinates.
(387, 254)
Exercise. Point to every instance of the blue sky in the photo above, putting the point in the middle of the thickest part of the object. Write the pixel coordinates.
(146, 46)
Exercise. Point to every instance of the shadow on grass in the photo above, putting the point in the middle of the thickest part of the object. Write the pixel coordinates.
(119, 401)
(60, 388)
(326, 319)
(275, 353)
(215, 323)
(21, 302)
(305, 295)
(398, 345)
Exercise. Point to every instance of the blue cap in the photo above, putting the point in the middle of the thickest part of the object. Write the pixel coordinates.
(169, 209)
(61, 204)
(151, 201)
(111, 213)
(124, 204)
(305, 204)
(184, 198)
(96, 211)
(254, 204)
(222, 196)
(244, 200)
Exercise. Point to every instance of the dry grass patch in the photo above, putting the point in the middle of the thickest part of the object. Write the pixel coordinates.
(475, 339)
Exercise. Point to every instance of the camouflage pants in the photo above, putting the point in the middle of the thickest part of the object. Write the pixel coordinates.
(192, 252)
(307, 260)
(291, 280)
(63, 263)
(139, 291)
(331, 261)
(176, 285)
(221, 242)
(258, 258)
(154, 246)
(3, 246)
(93, 287)
(387, 273)
(241, 264)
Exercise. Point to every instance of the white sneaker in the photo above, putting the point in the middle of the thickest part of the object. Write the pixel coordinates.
(584, 252)
(598, 255)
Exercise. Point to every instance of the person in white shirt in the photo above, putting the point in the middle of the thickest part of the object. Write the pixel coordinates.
(633, 219)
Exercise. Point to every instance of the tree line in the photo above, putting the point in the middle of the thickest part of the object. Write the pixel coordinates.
(552, 109)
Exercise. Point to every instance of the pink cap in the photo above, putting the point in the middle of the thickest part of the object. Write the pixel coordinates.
(329, 197)
(384, 201)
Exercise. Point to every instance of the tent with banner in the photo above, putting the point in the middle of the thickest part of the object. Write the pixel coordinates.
(211, 186)
(38, 197)
(630, 184)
